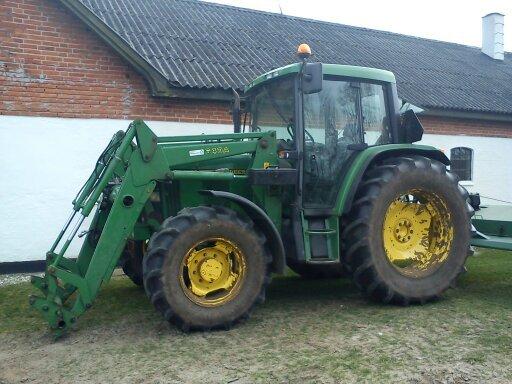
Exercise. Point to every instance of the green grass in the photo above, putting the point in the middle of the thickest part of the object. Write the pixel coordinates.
(309, 330)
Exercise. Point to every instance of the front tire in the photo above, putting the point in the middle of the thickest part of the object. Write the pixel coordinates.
(206, 268)
(408, 231)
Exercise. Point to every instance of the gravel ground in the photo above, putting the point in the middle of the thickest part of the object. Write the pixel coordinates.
(25, 277)
(16, 278)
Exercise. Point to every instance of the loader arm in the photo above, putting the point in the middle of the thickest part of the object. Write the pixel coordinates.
(120, 185)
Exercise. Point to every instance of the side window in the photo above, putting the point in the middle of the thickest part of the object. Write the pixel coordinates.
(331, 124)
(272, 109)
(375, 118)
(462, 162)
(330, 116)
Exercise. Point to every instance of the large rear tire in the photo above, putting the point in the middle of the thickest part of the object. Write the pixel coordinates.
(408, 232)
(206, 268)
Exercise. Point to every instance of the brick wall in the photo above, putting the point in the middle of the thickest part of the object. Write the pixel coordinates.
(51, 64)
(457, 126)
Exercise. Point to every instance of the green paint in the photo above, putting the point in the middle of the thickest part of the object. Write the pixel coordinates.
(495, 223)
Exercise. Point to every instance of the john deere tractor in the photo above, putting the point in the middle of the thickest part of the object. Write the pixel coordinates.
(320, 174)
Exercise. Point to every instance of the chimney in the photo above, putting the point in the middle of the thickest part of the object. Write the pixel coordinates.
(492, 35)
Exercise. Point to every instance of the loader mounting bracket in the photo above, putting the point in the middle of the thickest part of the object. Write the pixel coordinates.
(147, 142)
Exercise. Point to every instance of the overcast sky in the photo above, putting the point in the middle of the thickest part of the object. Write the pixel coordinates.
(457, 21)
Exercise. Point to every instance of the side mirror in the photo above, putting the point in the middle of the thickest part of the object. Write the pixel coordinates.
(411, 127)
(235, 113)
(312, 78)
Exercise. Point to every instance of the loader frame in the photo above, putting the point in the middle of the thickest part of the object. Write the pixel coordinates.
(69, 287)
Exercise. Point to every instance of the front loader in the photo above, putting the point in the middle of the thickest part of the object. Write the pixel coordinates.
(320, 174)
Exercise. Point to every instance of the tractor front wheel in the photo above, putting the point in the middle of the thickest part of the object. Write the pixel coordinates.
(408, 231)
(206, 268)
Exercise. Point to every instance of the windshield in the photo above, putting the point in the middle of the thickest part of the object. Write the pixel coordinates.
(271, 108)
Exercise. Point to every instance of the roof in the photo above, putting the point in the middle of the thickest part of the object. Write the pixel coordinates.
(328, 69)
(199, 46)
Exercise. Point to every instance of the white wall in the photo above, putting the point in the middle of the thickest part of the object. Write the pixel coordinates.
(492, 163)
(43, 163)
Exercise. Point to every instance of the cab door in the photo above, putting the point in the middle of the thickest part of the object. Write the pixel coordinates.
(345, 117)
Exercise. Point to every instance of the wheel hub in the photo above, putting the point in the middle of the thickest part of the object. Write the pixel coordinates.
(417, 233)
(212, 271)
(403, 231)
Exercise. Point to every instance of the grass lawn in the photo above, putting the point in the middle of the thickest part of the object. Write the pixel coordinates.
(312, 331)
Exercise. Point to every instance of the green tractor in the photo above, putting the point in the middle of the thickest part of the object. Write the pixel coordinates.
(320, 174)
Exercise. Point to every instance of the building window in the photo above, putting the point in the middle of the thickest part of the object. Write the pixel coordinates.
(462, 162)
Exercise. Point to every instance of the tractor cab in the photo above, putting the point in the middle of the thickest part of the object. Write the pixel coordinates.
(324, 115)
(320, 129)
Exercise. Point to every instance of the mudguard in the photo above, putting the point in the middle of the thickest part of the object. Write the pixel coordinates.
(262, 220)
(365, 158)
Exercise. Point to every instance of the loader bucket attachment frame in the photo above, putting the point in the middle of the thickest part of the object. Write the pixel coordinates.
(120, 185)
(68, 286)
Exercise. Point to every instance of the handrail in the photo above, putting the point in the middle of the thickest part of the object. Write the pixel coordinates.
(225, 136)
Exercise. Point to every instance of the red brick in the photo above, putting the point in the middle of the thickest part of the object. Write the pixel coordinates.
(469, 127)
(83, 77)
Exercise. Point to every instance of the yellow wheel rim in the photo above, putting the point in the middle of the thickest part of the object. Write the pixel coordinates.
(417, 233)
(212, 272)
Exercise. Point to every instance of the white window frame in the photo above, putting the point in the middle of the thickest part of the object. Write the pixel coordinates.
(469, 182)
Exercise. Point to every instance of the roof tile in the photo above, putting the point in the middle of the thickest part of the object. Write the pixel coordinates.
(204, 45)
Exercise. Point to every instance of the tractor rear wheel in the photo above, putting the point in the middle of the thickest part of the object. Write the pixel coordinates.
(206, 268)
(408, 231)
(131, 260)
